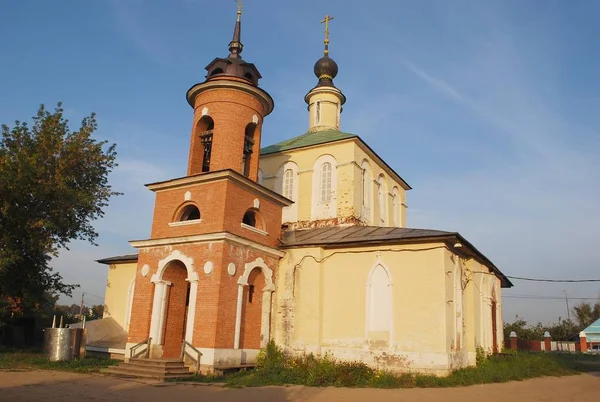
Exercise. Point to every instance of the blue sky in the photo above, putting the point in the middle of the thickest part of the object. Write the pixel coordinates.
(486, 108)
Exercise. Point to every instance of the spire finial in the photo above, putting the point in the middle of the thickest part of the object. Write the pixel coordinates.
(235, 46)
(239, 12)
(326, 41)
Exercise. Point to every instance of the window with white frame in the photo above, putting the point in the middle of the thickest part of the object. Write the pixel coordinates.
(366, 183)
(325, 185)
(381, 198)
(396, 202)
(288, 184)
(324, 188)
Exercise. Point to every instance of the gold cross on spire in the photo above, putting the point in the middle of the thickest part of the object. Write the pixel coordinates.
(326, 41)
(239, 12)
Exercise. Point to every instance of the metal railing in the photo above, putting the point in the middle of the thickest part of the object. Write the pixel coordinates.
(145, 351)
(184, 353)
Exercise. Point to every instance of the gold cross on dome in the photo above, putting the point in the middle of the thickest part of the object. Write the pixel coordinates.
(326, 22)
(239, 12)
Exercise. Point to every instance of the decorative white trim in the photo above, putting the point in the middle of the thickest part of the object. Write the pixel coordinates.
(145, 270)
(379, 263)
(176, 255)
(206, 238)
(157, 321)
(208, 267)
(187, 196)
(324, 210)
(231, 269)
(256, 203)
(265, 323)
(255, 119)
(290, 212)
(205, 111)
(185, 223)
(129, 305)
(253, 229)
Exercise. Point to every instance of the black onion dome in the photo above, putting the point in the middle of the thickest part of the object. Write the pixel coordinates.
(326, 69)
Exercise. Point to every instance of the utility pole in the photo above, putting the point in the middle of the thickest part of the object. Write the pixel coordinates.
(567, 301)
(81, 306)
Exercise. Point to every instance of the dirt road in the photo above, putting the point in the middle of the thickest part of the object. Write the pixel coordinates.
(43, 386)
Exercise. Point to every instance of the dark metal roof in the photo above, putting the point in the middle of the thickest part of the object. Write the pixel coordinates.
(373, 235)
(355, 234)
(119, 258)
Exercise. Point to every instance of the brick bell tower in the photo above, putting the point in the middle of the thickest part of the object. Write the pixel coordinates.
(206, 275)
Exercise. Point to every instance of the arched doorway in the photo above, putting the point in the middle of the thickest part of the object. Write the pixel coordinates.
(176, 308)
(252, 310)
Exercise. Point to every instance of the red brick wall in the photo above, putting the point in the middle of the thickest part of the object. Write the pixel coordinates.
(231, 110)
(174, 330)
(252, 311)
(216, 302)
(222, 205)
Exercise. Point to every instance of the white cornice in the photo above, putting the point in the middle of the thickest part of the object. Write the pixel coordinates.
(206, 238)
(220, 175)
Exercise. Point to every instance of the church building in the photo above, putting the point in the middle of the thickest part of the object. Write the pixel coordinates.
(303, 242)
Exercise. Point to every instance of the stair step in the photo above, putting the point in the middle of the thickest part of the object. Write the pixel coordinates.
(151, 370)
(153, 367)
(157, 362)
(161, 376)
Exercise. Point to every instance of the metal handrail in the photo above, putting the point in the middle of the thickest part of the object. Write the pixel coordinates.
(184, 352)
(137, 345)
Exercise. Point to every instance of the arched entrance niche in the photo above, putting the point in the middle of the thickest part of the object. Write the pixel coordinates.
(379, 328)
(174, 305)
(253, 313)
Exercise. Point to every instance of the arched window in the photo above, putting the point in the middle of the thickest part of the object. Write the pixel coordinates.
(189, 213)
(396, 202)
(248, 145)
(324, 188)
(381, 198)
(205, 128)
(325, 184)
(254, 219)
(260, 177)
(216, 71)
(249, 77)
(366, 183)
(288, 184)
(380, 300)
(318, 113)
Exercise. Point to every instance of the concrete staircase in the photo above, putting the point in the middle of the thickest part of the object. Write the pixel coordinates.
(159, 369)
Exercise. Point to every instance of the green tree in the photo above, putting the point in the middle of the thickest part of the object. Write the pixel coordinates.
(53, 185)
(586, 314)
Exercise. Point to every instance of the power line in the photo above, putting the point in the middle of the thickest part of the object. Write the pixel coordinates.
(520, 278)
(536, 297)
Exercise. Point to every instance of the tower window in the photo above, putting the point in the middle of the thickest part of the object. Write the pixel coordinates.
(190, 213)
(248, 144)
(205, 128)
(381, 198)
(325, 182)
(288, 184)
(216, 71)
(253, 218)
(318, 113)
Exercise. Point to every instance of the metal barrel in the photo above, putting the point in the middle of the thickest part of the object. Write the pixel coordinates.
(61, 344)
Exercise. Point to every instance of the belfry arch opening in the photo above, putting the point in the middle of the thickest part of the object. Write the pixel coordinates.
(249, 140)
(205, 128)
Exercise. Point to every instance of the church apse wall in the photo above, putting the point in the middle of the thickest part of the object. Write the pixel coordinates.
(384, 307)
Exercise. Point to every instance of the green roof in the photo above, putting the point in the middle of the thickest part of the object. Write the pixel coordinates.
(307, 140)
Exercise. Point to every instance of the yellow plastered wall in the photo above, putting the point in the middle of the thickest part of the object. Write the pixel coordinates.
(322, 306)
(348, 193)
(119, 291)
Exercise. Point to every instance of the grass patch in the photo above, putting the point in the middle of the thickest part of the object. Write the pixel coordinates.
(15, 361)
(275, 367)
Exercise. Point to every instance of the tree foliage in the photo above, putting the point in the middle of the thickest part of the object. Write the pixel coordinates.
(53, 185)
(584, 313)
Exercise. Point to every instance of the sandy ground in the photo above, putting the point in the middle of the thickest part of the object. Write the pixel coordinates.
(44, 386)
